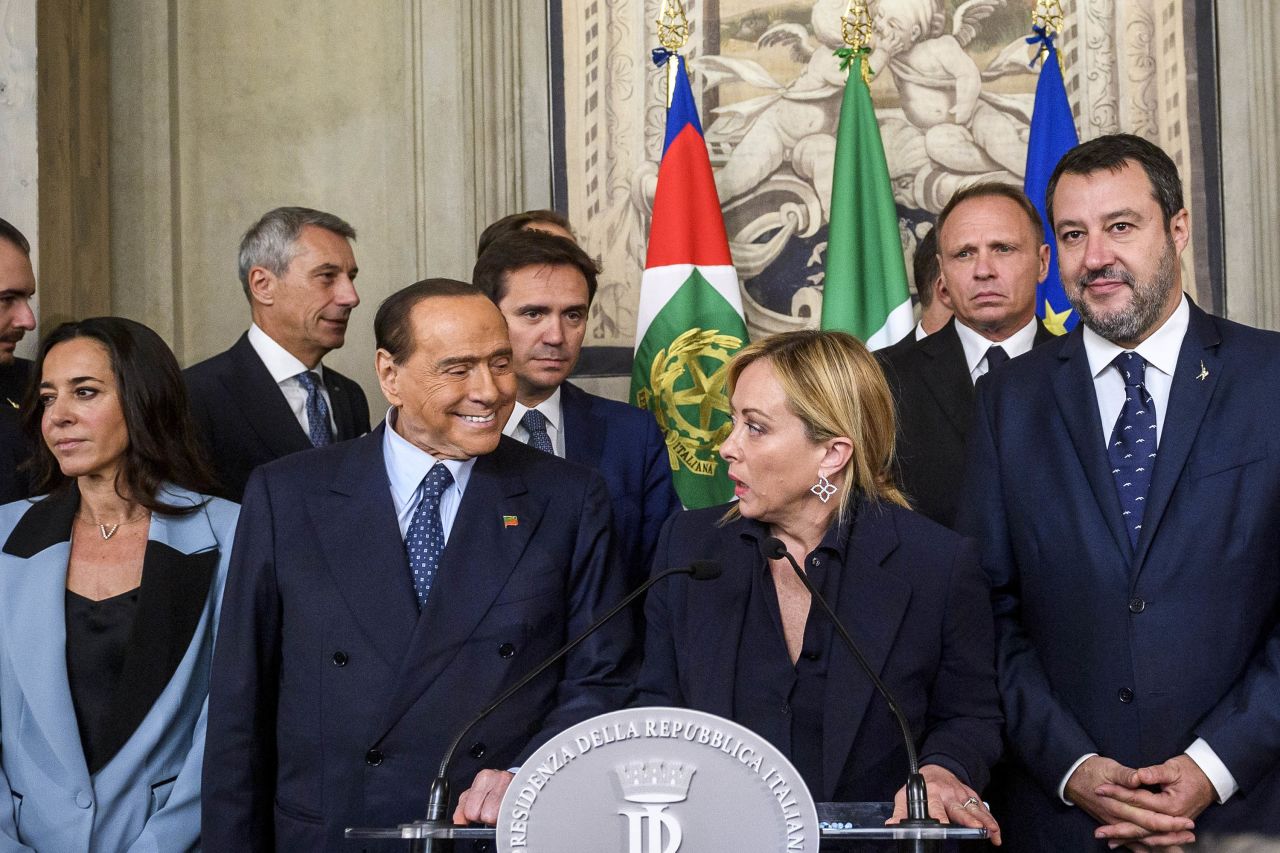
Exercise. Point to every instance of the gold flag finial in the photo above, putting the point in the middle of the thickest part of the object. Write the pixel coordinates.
(855, 28)
(673, 26)
(1047, 16)
(673, 34)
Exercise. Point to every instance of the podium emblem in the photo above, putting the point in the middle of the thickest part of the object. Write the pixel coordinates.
(657, 780)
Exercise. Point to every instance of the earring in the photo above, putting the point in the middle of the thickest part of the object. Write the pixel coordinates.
(823, 489)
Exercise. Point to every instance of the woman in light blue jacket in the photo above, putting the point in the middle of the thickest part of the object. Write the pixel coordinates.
(109, 594)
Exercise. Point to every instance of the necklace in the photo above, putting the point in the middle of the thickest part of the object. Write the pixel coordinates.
(109, 530)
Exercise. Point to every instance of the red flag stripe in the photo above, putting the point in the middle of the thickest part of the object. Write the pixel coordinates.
(687, 225)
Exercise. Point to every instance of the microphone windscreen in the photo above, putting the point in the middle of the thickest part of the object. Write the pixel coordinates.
(705, 570)
(773, 549)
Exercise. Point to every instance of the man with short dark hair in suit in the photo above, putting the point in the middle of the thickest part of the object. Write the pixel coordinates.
(17, 286)
(1124, 485)
(927, 274)
(544, 284)
(383, 590)
(992, 254)
(269, 395)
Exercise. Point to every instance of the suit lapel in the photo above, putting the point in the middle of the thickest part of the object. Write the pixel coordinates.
(479, 558)
(1078, 403)
(354, 522)
(583, 431)
(340, 403)
(181, 557)
(33, 605)
(947, 377)
(250, 386)
(1189, 398)
(716, 612)
(1043, 335)
(871, 603)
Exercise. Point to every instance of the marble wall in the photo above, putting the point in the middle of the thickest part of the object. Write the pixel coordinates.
(19, 187)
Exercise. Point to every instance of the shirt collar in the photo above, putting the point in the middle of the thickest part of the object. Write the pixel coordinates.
(835, 540)
(976, 346)
(1160, 349)
(549, 407)
(280, 363)
(407, 464)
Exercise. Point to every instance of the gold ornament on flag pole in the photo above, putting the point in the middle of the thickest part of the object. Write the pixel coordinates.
(673, 35)
(1047, 16)
(855, 29)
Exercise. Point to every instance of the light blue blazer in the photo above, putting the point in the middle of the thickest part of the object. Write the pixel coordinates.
(146, 798)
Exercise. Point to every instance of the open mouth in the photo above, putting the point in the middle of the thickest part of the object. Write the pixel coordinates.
(480, 420)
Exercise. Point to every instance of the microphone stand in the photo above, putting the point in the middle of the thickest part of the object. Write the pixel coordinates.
(773, 548)
(438, 798)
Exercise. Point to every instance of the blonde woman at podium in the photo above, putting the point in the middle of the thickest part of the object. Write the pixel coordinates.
(810, 457)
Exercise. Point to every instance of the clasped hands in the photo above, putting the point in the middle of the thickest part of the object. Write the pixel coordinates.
(1135, 817)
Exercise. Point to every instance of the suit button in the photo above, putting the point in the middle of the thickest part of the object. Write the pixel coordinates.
(340, 658)
(1137, 605)
(83, 800)
(507, 650)
(373, 757)
(1126, 695)
(477, 750)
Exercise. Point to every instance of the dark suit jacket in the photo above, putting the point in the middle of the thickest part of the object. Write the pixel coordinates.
(13, 444)
(625, 445)
(333, 699)
(934, 396)
(914, 600)
(1133, 656)
(906, 342)
(246, 421)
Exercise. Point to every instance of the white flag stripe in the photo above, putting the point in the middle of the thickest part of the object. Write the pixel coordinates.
(900, 321)
(659, 284)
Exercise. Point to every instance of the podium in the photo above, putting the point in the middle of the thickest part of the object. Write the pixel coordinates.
(841, 824)
(669, 780)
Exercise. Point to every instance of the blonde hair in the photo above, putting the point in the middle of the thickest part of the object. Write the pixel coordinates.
(836, 388)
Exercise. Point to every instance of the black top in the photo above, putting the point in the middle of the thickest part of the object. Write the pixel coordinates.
(783, 702)
(97, 635)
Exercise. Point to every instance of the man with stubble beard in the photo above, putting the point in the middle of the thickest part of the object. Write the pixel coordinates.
(17, 286)
(1124, 484)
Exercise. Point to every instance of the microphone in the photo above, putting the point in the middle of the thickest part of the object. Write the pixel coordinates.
(917, 796)
(438, 800)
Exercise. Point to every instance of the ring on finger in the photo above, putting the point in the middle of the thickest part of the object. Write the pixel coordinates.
(969, 803)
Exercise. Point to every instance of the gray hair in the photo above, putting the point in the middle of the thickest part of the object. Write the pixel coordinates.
(269, 243)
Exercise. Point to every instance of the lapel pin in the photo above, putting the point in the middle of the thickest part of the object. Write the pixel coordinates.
(510, 521)
(1204, 372)
(10, 402)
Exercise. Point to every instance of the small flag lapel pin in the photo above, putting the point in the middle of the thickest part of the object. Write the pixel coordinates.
(510, 521)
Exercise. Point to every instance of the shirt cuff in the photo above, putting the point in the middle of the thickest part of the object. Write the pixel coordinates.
(1062, 786)
(1211, 765)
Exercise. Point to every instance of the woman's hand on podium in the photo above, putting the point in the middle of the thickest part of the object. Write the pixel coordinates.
(950, 801)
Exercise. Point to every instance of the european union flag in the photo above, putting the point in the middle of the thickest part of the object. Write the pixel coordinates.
(1053, 133)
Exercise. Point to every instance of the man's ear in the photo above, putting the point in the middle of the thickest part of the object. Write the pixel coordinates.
(262, 286)
(388, 376)
(941, 292)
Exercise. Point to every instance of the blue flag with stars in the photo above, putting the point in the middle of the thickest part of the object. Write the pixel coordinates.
(1053, 133)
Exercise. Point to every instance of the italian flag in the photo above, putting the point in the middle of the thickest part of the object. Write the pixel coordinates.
(865, 290)
(689, 321)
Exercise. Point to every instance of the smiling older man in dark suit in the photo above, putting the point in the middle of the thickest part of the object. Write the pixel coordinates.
(384, 590)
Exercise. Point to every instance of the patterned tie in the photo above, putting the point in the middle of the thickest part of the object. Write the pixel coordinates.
(1132, 449)
(535, 423)
(317, 410)
(996, 356)
(425, 538)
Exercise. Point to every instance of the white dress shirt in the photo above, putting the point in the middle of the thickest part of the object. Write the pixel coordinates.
(407, 464)
(550, 409)
(1160, 350)
(976, 346)
(921, 334)
(284, 368)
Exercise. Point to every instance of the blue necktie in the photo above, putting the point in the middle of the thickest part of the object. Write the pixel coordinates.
(535, 423)
(424, 540)
(1132, 449)
(318, 428)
